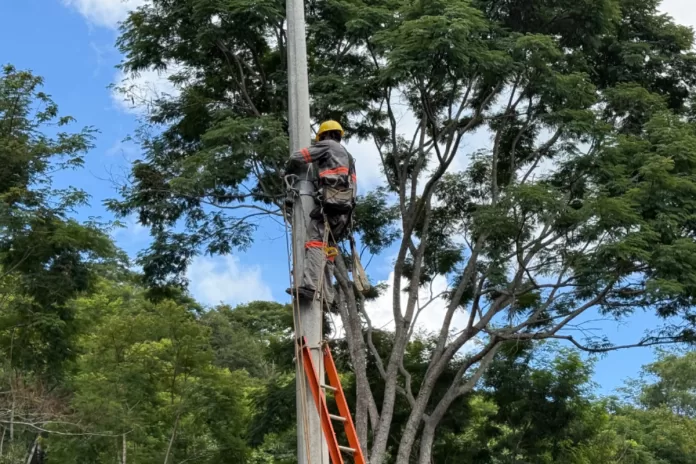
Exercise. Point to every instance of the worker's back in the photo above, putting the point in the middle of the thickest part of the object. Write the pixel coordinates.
(336, 174)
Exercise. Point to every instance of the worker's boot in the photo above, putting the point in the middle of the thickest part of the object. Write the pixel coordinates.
(307, 294)
(303, 293)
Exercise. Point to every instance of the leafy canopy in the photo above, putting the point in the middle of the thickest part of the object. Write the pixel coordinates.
(47, 257)
(582, 199)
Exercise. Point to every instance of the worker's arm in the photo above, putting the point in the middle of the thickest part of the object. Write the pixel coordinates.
(302, 158)
(353, 175)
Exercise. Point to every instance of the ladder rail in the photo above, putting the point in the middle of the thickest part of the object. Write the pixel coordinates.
(320, 401)
(335, 381)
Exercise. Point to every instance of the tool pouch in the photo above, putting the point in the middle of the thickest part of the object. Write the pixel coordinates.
(336, 200)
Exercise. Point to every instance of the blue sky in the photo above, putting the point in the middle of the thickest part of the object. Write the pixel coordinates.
(71, 44)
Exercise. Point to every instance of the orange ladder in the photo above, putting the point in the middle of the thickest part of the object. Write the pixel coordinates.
(320, 400)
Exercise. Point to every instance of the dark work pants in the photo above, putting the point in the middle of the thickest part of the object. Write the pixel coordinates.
(315, 257)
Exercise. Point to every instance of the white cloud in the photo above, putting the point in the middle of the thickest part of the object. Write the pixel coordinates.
(367, 164)
(434, 307)
(430, 318)
(225, 280)
(142, 88)
(125, 149)
(368, 161)
(682, 11)
(132, 230)
(105, 13)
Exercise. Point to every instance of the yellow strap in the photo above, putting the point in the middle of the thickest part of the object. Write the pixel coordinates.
(331, 251)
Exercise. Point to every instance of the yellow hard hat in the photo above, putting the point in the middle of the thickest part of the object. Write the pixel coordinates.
(327, 126)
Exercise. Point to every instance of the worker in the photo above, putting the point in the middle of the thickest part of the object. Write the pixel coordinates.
(335, 200)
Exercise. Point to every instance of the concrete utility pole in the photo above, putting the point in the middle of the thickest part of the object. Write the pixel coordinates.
(310, 315)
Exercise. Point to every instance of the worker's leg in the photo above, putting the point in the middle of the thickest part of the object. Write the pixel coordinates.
(338, 225)
(314, 255)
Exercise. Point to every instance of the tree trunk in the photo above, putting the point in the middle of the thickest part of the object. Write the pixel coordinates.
(125, 450)
(12, 413)
(12, 386)
(410, 432)
(426, 443)
(379, 447)
(454, 392)
(2, 440)
(40, 454)
(428, 435)
(12, 407)
(402, 320)
(356, 344)
(30, 458)
(362, 391)
(172, 438)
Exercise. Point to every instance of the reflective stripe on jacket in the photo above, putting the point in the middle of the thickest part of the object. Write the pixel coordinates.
(333, 163)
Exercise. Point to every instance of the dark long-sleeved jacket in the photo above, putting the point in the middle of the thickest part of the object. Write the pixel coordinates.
(333, 163)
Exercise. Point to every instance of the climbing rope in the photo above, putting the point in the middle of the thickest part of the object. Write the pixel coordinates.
(320, 293)
(297, 323)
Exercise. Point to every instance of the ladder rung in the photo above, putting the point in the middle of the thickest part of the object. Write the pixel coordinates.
(319, 393)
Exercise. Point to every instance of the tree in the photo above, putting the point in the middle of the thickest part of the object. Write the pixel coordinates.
(249, 336)
(581, 203)
(675, 388)
(534, 405)
(655, 436)
(47, 258)
(146, 382)
(654, 424)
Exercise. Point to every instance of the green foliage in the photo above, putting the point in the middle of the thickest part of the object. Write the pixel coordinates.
(672, 386)
(146, 371)
(538, 408)
(374, 218)
(46, 256)
(252, 337)
(598, 92)
(655, 436)
(244, 107)
(158, 373)
(597, 89)
(533, 407)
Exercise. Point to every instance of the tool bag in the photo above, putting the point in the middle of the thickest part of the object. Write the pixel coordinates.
(336, 200)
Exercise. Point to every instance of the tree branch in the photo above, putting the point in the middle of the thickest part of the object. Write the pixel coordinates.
(242, 84)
